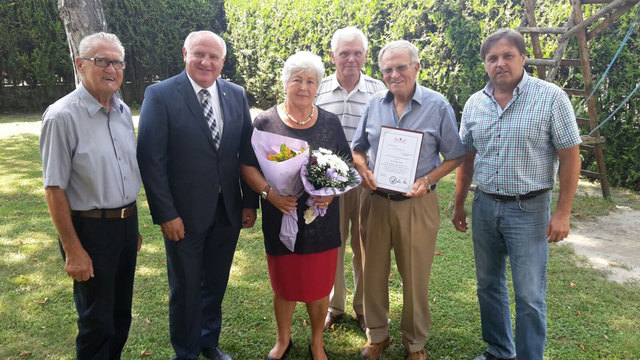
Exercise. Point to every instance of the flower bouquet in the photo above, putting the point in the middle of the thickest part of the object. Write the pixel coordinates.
(280, 165)
(326, 174)
(285, 153)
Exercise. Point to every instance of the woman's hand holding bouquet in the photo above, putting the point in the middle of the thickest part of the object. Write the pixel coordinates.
(280, 164)
(324, 176)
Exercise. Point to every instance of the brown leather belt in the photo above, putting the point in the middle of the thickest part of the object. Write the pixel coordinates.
(120, 213)
(397, 196)
(527, 196)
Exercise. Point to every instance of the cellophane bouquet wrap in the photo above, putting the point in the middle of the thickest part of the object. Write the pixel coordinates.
(326, 174)
(281, 158)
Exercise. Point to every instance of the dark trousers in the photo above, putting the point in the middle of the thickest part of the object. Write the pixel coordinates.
(198, 268)
(103, 302)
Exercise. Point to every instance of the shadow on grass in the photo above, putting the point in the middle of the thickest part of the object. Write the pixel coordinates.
(588, 316)
(34, 291)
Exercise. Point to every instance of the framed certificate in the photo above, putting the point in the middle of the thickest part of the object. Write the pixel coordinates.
(397, 158)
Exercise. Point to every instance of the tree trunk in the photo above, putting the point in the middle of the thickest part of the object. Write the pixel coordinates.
(81, 18)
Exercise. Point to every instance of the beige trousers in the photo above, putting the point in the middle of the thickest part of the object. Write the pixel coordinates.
(409, 227)
(349, 215)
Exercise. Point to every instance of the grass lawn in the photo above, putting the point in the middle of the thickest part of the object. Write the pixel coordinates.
(589, 317)
(26, 117)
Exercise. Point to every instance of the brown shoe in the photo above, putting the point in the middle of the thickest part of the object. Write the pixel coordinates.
(373, 351)
(418, 355)
(330, 320)
(361, 323)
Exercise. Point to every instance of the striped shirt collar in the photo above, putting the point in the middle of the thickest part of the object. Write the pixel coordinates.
(335, 84)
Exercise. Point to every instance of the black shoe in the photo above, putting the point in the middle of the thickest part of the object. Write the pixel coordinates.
(215, 354)
(311, 352)
(489, 356)
(284, 354)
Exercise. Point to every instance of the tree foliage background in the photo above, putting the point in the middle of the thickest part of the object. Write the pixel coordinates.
(261, 34)
(153, 32)
(34, 50)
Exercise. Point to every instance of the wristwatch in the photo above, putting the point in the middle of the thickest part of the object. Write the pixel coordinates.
(265, 191)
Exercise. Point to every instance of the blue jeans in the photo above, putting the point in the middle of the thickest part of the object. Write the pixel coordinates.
(515, 229)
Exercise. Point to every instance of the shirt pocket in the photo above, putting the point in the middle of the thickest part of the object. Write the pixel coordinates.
(532, 125)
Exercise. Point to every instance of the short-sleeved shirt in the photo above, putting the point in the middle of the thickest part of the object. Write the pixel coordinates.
(89, 152)
(428, 112)
(348, 107)
(517, 146)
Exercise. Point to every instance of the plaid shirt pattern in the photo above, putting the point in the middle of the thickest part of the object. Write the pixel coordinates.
(517, 146)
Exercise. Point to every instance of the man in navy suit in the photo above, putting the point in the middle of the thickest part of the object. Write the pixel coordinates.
(192, 128)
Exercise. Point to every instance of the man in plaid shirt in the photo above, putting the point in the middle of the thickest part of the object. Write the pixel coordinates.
(519, 132)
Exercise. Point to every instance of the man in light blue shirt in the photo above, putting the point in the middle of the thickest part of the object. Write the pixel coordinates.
(407, 223)
(519, 132)
(91, 181)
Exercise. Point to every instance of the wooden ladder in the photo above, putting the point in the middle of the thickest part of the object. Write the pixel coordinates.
(584, 31)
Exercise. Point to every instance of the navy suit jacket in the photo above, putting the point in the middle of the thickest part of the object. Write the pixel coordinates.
(181, 169)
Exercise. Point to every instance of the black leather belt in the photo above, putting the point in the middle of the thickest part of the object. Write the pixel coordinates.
(120, 213)
(397, 196)
(527, 196)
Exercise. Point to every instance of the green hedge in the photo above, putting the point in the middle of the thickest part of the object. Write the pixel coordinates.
(448, 34)
(153, 32)
(34, 51)
(33, 47)
(261, 34)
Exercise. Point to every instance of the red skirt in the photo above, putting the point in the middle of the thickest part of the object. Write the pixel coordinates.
(303, 277)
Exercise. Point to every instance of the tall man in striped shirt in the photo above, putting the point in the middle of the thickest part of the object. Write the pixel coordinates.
(519, 131)
(345, 93)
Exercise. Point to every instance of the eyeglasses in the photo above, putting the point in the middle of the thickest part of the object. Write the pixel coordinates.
(104, 62)
(399, 69)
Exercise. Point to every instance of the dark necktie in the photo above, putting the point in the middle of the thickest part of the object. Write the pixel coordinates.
(207, 108)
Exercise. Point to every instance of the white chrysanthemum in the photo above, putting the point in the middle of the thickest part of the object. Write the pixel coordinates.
(326, 158)
(323, 160)
(339, 165)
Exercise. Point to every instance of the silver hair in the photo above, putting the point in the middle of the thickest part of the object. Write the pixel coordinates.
(348, 34)
(299, 62)
(189, 40)
(87, 44)
(400, 45)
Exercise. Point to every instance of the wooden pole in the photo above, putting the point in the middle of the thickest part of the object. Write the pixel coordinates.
(81, 18)
(583, 49)
(592, 19)
(535, 40)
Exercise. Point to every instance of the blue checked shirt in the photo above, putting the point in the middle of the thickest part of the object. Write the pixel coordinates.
(517, 147)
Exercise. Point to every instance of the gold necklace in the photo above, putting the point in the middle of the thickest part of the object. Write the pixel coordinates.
(286, 112)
